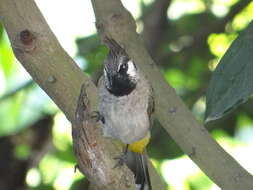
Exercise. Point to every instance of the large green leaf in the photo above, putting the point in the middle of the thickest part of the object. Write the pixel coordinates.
(232, 81)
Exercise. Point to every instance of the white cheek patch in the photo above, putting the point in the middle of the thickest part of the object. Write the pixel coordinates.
(131, 71)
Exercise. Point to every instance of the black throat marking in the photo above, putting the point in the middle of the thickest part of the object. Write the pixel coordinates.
(122, 85)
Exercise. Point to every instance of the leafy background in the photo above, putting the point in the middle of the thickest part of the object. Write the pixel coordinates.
(186, 38)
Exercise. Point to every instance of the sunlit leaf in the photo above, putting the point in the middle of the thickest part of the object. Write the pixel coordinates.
(242, 19)
(58, 173)
(199, 181)
(6, 56)
(219, 43)
(231, 82)
(49, 167)
(1, 32)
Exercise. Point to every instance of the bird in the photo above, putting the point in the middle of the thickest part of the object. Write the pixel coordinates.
(126, 106)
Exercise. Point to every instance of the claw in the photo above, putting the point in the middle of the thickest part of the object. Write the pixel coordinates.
(99, 117)
(121, 158)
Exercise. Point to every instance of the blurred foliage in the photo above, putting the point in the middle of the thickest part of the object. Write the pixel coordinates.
(187, 48)
(93, 53)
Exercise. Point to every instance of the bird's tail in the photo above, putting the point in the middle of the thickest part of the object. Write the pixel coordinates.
(138, 164)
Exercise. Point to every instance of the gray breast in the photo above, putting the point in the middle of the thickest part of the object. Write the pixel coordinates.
(126, 117)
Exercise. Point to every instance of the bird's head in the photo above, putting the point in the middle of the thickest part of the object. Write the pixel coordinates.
(120, 72)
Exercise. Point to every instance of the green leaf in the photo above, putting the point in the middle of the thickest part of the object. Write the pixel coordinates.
(6, 56)
(232, 81)
(1, 31)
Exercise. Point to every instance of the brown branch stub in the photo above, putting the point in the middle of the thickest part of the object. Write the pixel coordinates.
(51, 79)
(26, 37)
(90, 147)
(25, 41)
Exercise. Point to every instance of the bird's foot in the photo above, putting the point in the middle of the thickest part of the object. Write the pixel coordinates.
(121, 158)
(98, 116)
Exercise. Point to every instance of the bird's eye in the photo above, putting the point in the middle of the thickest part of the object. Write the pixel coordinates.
(123, 68)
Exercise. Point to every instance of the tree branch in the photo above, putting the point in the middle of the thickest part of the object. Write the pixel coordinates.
(114, 21)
